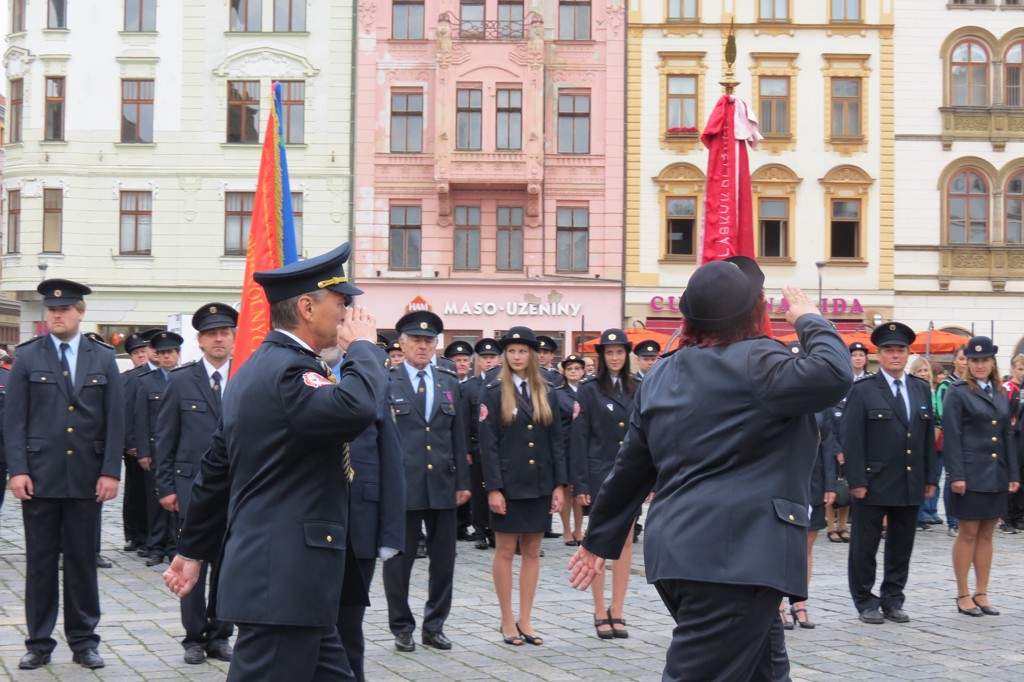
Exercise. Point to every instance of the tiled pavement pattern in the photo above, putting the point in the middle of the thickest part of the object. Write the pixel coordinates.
(140, 626)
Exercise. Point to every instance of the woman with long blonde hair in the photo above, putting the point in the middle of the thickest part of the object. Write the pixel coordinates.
(524, 466)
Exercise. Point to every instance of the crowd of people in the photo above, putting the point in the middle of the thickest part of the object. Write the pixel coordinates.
(224, 472)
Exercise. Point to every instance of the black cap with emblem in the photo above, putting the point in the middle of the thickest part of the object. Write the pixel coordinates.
(570, 359)
(720, 293)
(614, 337)
(487, 347)
(523, 335)
(547, 343)
(892, 334)
(326, 271)
(133, 341)
(420, 323)
(980, 347)
(857, 345)
(61, 292)
(393, 346)
(166, 340)
(148, 334)
(214, 316)
(457, 348)
(648, 349)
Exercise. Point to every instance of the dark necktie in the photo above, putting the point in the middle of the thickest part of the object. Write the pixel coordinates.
(988, 389)
(899, 396)
(525, 391)
(67, 367)
(421, 391)
(216, 387)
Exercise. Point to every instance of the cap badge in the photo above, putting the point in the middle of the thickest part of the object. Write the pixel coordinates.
(163, 336)
(611, 337)
(423, 325)
(892, 327)
(56, 293)
(213, 309)
(515, 336)
(977, 349)
(331, 282)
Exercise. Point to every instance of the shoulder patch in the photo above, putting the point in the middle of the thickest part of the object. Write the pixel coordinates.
(314, 380)
(29, 342)
(447, 370)
(483, 412)
(187, 364)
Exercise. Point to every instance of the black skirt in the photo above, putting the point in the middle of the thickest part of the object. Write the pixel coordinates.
(978, 506)
(817, 517)
(523, 516)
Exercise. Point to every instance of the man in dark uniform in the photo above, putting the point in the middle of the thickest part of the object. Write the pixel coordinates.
(149, 400)
(64, 434)
(888, 440)
(488, 356)
(546, 355)
(461, 354)
(646, 355)
(184, 429)
(424, 400)
(133, 509)
(270, 504)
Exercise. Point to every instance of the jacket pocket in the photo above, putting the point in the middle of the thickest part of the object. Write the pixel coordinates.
(324, 534)
(183, 469)
(95, 380)
(873, 467)
(34, 444)
(879, 415)
(401, 409)
(791, 512)
(371, 492)
(194, 406)
(41, 377)
(447, 408)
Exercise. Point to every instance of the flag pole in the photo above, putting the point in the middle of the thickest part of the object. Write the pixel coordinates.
(729, 81)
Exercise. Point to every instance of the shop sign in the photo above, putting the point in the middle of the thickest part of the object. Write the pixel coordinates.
(829, 306)
(513, 308)
(417, 304)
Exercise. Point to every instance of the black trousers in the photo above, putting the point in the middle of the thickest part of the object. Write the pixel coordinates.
(901, 529)
(350, 622)
(199, 628)
(440, 525)
(271, 653)
(1015, 512)
(724, 633)
(478, 502)
(162, 524)
(52, 525)
(133, 509)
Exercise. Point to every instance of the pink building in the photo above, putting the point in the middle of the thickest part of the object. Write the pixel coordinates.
(489, 173)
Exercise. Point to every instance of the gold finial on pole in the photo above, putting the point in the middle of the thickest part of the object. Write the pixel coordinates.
(729, 77)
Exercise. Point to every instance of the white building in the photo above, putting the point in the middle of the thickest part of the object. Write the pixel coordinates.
(820, 77)
(133, 143)
(960, 168)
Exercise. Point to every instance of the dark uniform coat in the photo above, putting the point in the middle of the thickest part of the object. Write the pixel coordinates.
(376, 515)
(4, 374)
(130, 382)
(598, 431)
(525, 459)
(567, 409)
(149, 398)
(740, 424)
(184, 430)
(893, 458)
(271, 498)
(823, 475)
(978, 441)
(64, 440)
(434, 446)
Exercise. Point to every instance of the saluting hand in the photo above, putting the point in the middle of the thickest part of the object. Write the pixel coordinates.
(106, 488)
(584, 566)
(799, 304)
(21, 486)
(357, 324)
(182, 576)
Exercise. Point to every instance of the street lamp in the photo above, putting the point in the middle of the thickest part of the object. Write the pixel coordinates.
(821, 268)
(42, 308)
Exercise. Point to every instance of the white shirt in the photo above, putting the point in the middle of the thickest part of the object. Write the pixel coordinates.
(519, 381)
(72, 353)
(904, 389)
(428, 379)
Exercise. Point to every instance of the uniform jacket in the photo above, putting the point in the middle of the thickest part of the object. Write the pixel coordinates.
(271, 497)
(64, 440)
(130, 384)
(598, 430)
(4, 375)
(893, 458)
(469, 402)
(184, 430)
(567, 409)
(823, 475)
(149, 399)
(434, 446)
(377, 504)
(712, 426)
(525, 459)
(978, 441)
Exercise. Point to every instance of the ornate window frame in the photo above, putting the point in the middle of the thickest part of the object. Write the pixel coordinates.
(847, 66)
(680, 64)
(776, 64)
(775, 181)
(679, 180)
(846, 182)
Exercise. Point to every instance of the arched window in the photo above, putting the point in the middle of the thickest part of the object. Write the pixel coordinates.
(969, 74)
(1011, 74)
(968, 208)
(1015, 209)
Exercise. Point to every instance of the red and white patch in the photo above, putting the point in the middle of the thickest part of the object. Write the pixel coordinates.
(314, 380)
(483, 412)
(575, 410)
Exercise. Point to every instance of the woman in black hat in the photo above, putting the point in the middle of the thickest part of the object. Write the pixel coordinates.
(524, 473)
(723, 429)
(573, 371)
(598, 429)
(983, 468)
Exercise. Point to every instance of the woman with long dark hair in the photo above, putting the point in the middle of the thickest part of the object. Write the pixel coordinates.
(598, 429)
(521, 445)
(723, 430)
(983, 467)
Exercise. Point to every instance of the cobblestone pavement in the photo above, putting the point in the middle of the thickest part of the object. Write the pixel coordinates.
(140, 626)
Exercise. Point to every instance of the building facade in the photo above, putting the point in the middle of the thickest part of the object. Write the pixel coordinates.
(960, 169)
(489, 173)
(819, 77)
(133, 145)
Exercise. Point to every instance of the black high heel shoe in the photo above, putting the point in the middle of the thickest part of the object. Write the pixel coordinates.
(805, 624)
(786, 624)
(987, 610)
(973, 611)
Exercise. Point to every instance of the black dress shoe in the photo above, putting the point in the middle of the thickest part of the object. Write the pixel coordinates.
(464, 535)
(481, 544)
(131, 546)
(551, 534)
(88, 658)
(871, 616)
(403, 642)
(155, 559)
(220, 650)
(421, 551)
(33, 660)
(102, 562)
(897, 615)
(436, 640)
(194, 655)
(142, 551)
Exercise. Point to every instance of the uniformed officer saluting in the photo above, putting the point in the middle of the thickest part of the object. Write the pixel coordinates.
(64, 434)
(424, 400)
(888, 441)
(184, 427)
(271, 500)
